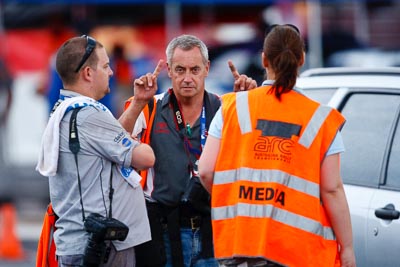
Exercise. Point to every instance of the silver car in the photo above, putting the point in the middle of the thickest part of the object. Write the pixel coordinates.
(370, 101)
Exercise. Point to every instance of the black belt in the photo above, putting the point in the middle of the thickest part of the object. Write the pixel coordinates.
(191, 222)
(249, 262)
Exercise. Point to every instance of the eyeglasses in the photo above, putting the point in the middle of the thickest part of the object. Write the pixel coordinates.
(90, 45)
(270, 28)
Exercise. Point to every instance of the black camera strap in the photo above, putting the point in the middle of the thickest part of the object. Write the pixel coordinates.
(74, 146)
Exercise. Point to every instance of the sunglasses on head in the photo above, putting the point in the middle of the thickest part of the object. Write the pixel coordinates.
(90, 45)
(270, 28)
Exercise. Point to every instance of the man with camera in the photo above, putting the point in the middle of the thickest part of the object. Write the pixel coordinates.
(90, 160)
(175, 124)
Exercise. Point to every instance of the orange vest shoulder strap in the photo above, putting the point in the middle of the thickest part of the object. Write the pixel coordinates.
(149, 116)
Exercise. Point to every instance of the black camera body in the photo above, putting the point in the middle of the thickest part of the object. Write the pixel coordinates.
(196, 196)
(101, 229)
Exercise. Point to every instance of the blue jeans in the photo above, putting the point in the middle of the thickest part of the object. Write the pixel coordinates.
(191, 249)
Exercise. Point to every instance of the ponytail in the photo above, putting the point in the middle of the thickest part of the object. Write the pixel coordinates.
(284, 48)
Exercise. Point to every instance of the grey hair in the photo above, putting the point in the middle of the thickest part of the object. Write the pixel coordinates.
(186, 42)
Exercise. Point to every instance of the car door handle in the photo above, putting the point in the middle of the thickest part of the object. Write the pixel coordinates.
(387, 213)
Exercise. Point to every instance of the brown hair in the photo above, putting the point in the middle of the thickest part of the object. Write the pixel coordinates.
(284, 50)
(70, 54)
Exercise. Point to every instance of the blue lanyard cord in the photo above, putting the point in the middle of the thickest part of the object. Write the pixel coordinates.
(203, 135)
(203, 130)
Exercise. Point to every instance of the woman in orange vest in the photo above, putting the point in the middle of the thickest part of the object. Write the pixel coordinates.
(271, 164)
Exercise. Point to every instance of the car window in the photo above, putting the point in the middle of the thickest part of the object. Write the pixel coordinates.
(369, 120)
(320, 95)
(393, 174)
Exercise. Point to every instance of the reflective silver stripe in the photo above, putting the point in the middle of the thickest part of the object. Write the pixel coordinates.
(242, 109)
(314, 125)
(264, 176)
(274, 213)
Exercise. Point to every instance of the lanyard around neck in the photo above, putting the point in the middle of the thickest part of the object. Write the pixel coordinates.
(179, 120)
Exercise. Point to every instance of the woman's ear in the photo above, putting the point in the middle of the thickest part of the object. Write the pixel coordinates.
(264, 60)
(302, 59)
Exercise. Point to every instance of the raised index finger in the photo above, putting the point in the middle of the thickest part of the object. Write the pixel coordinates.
(233, 69)
(158, 68)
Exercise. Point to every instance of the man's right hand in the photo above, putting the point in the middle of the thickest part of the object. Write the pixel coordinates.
(145, 87)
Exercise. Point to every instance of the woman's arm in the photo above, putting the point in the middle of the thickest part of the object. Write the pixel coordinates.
(335, 203)
(207, 162)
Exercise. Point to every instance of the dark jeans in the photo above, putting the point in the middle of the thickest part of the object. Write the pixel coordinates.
(191, 249)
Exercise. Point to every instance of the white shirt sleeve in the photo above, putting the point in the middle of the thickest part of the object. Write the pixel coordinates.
(139, 126)
(337, 145)
(215, 129)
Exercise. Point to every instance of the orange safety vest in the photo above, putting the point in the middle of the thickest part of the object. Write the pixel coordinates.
(46, 252)
(265, 194)
(145, 138)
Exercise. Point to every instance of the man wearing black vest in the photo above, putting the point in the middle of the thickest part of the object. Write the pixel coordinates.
(175, 124)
